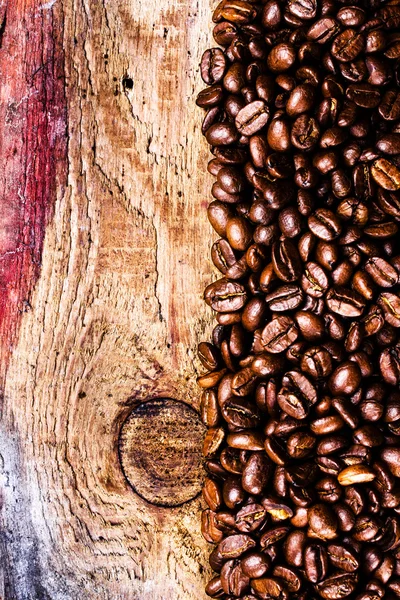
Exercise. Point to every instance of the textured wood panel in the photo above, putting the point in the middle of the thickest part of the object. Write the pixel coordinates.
(117, 310)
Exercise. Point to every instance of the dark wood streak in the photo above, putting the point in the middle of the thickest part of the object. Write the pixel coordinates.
(33, 151)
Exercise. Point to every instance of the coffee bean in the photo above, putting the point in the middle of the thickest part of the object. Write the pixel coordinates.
(221, 134)
(324, 224)
(297, 395)
(225, 296)
(246, 440)
(345, 379)
(255, 564)
(389, 107)
(337, 586)
(300, 100)
(212, 67)
(235, 545)
(347, 45)
(345, 302)
(281, 57)
(356, 474)
(363, 95)
(386, 174)
(315, 562)
(390, 304)
(269, 588)
(256, 473)
(279, 334)
(252, 117)
(286, 297)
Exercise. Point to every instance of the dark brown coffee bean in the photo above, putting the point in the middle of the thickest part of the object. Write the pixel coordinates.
(279, 334)
(286, 297)
(297, 395)
(324, 224)
(386, 174)
(390, 304)
(255, 564)
(315, 562)
(209, 408)
(211, 96)
(250, 517)
(212, 67)
(276, 451)
(225, 296)
(323, 30)
(269, 588)
(218, 215)
(300, 444)
(389, 108)
(214, 588)
(347, 45)
(281, 57)
(338, 586)
(233, 580)
(212, 494)
(286, 260)
(317, 362)
(345, 379)
(222, 134)
(246, 440)
(345, 302)
(365, 529)
(252, 118)
(256, 473)
(301, 100)
(311, 326)
(345, 516)
(314, 281)
(235, 545)
(363, 95)
(294, 546)
(356, 474)
(305, 132)
(239, 233)
(209, 528)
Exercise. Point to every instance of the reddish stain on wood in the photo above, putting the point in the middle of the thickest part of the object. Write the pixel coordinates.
(33, 150)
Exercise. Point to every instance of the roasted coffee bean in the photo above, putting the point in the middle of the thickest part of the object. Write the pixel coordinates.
(213, 65)
(315, 562)
(256, 473)
(345, 302)
(293, 548)
(347, 45)
(337, 586)
(222, 134)
(279, 334)
(324, 224)
(386, 174)
(252, 118)
(281, 57)
(356, 474)
(297, 395)
(255, 564)
(225, 296)
(235, 545)
(269, 588)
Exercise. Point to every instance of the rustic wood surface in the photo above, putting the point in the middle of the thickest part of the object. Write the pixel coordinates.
(104, 249)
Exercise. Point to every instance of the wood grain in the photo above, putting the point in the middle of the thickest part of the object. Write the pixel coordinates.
(117, 311)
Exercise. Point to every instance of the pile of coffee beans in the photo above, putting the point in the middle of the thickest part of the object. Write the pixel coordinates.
(301, 390)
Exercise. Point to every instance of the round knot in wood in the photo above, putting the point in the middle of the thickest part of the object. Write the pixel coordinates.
(160, 451)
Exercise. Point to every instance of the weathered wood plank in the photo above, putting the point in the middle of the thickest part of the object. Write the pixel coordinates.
(116, 313)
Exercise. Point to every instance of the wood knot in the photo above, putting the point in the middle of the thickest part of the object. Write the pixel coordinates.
(160, 451)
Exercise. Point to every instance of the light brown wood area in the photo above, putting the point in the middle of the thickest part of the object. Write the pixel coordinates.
(115, 316)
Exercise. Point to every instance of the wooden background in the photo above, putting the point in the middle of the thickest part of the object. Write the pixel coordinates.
(104, 248)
